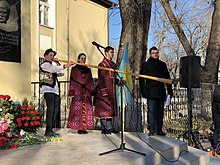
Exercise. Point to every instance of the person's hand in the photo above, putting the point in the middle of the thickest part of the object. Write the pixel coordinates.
(171, 95)
(121, 82)
(67, 65)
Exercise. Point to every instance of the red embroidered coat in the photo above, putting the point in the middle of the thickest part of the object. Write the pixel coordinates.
(105, 104)
(81, 89)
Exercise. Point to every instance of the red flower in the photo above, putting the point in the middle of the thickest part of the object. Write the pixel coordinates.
(19, 120)
(22, 112)
(23, 108)
(14, 146)
(38, 117)
(28, 118)
(32, 112)
(32, 123)
(30, 107)
(3, 140)
(19, 124)
(7, 97)
(37, 123)
(23, 118)
(8, 134)
(25, 124)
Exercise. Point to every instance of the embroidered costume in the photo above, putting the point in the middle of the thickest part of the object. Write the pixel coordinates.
(105, 105)
(81, 89)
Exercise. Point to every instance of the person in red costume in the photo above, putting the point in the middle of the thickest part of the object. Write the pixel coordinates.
(81, 89)
(105, 104)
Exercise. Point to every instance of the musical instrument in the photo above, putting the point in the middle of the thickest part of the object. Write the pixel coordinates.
(164, 80)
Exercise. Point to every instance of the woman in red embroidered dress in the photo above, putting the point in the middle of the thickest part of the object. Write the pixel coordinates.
(81, 90)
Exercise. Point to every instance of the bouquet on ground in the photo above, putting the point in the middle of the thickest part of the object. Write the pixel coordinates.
(8, 130)
(18, 124)
(28, 118)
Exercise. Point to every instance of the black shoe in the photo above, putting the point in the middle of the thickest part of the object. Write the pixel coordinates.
(49, 134)
(114, 131)
(105, 131)
(109, 131)
(80, 131)
(151, 134)
(56, 134)
(161, 134)
(85, 132)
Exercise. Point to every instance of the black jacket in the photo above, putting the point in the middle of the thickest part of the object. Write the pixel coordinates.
(152, 89)
(216, 101)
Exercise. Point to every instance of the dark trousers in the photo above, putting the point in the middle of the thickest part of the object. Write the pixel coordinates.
(216, 118)
(53, 103)
(155, 115)
(106, 124)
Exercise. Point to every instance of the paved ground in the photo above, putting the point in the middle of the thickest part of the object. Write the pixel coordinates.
(75, 149)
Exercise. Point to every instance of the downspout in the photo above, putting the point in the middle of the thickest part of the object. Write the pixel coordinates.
(108, 25)
(68, 37)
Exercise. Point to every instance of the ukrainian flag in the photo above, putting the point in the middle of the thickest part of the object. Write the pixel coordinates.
(128, 87)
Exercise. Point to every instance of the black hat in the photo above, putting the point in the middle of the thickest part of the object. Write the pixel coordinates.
(48, 51)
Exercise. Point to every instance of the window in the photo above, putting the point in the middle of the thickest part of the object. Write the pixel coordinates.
(41, 60)
(43, 12)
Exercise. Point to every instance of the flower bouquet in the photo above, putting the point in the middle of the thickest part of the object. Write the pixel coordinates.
(18, 124)
(7, 126)
(28, 118)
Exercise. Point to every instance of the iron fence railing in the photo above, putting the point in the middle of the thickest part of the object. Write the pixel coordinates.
(175, 116)
(40, 105)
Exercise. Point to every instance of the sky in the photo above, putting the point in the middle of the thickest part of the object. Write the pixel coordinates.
(187, 7)
(114, 26)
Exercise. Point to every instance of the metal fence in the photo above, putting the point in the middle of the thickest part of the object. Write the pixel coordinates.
(175, 116)
(40, 105)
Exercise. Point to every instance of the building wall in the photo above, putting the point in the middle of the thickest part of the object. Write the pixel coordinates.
(76, 24)
(87, 22)
(34, 40)
(16, 77)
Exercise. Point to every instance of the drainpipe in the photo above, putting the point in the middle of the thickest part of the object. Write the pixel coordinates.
(68, 36)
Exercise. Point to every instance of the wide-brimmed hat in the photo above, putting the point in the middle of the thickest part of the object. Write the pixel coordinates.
(48, 51)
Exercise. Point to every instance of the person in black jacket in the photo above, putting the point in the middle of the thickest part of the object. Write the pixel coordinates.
(155, 91)
(216, 115)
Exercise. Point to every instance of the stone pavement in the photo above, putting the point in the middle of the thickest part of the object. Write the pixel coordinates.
(75, 149)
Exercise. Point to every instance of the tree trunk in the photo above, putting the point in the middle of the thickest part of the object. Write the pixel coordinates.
(178, 29)
(210, 70)
(135, 16)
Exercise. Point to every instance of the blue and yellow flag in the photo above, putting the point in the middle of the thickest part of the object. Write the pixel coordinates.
(128, 87)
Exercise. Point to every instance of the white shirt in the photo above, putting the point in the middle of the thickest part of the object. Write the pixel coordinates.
(46, 66)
